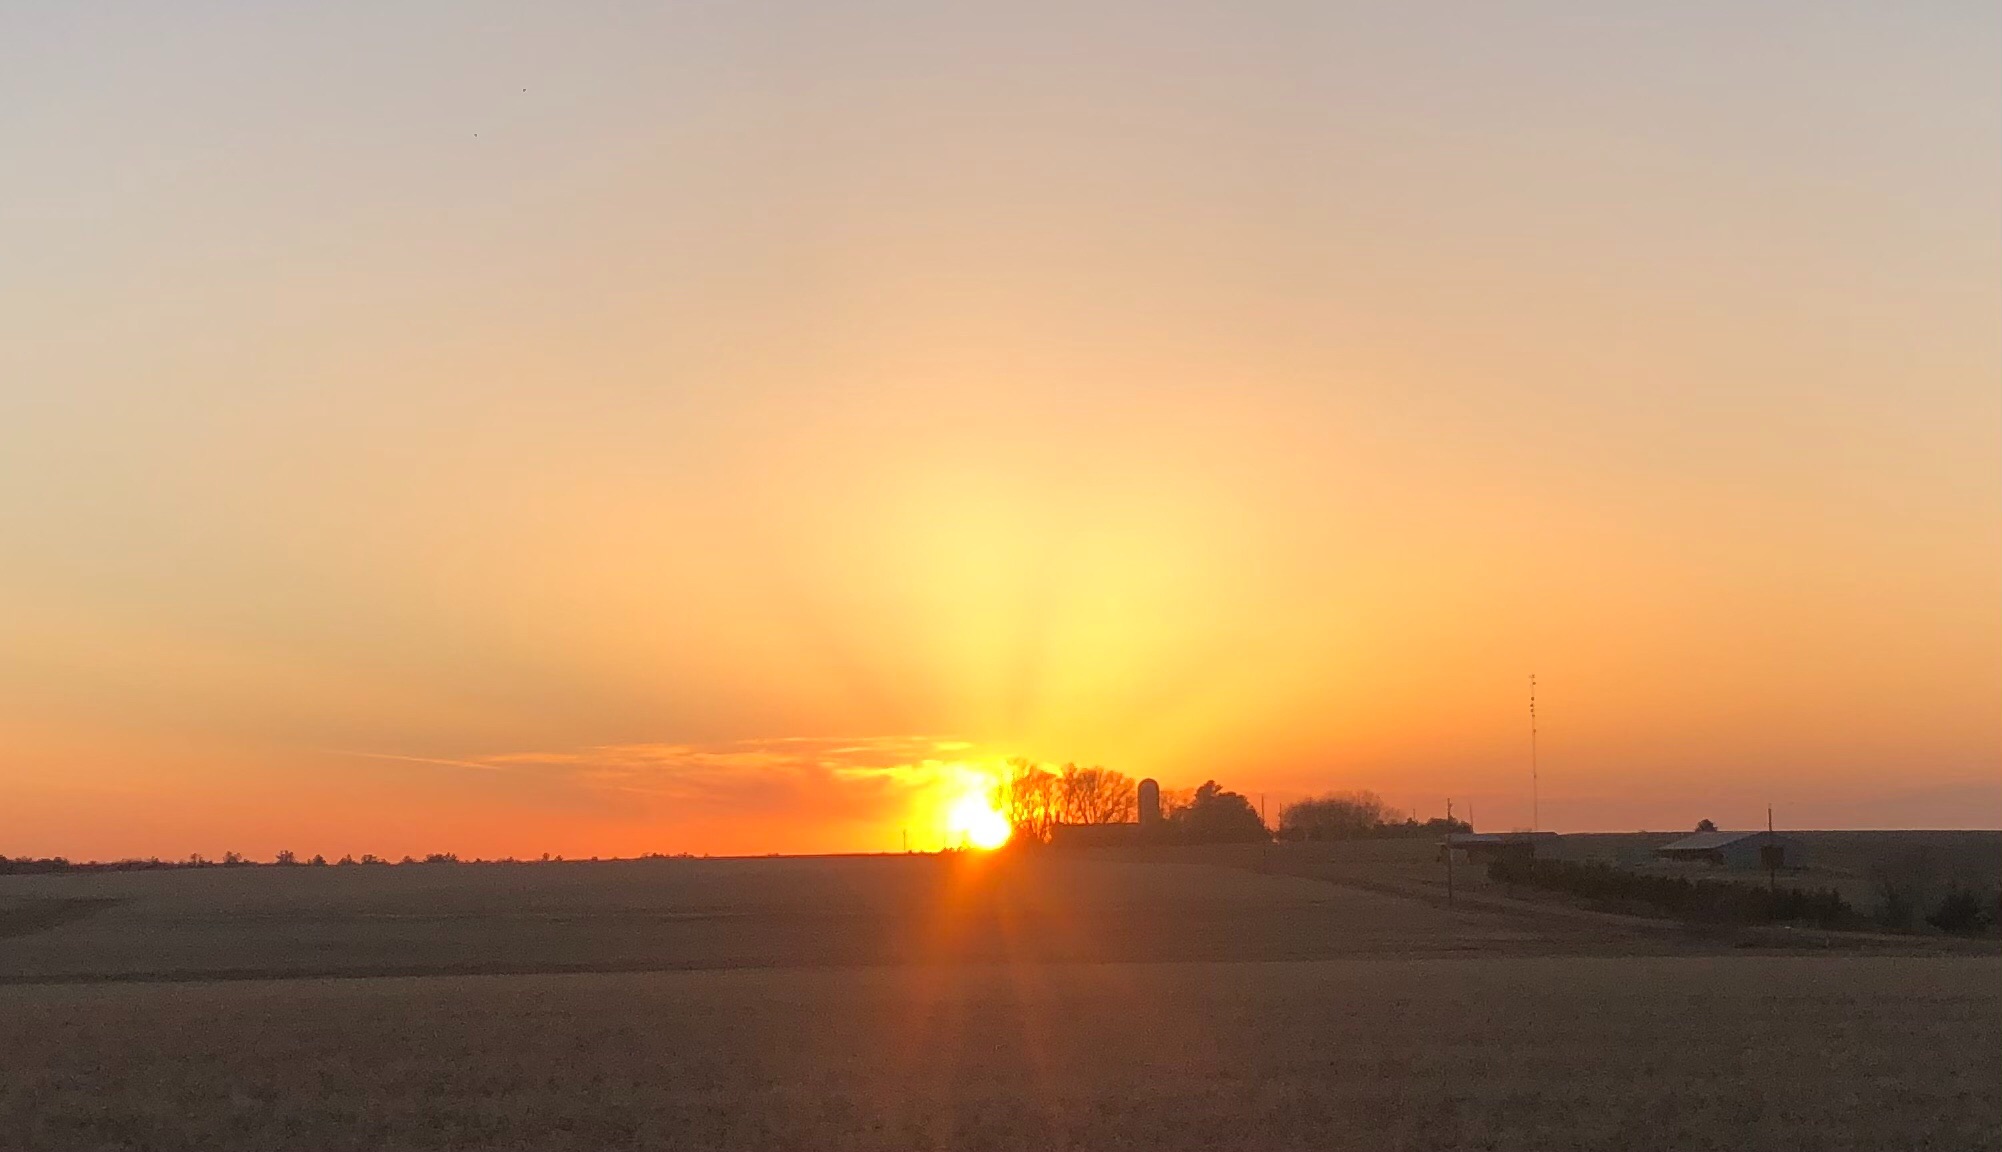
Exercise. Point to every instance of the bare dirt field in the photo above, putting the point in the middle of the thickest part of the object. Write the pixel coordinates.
(672, 914)
(930, 1002)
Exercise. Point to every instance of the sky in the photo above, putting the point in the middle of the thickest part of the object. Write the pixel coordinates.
(610, 428)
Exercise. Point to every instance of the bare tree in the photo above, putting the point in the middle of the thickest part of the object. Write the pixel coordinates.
(1096, 796)
(1027, 796)
(1336, 816)
(1036, 799)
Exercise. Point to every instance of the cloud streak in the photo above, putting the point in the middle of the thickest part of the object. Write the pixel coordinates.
(842, 778)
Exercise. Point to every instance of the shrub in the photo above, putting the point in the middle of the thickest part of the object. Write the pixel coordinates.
(1711, 900)
(1897, 908)
(1959, 911)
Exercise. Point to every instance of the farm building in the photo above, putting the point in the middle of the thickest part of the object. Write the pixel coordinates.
(1745, 850)
(1482, 846)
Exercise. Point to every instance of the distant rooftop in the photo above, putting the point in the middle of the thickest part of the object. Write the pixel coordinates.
(1496, 837)
(1706, 841)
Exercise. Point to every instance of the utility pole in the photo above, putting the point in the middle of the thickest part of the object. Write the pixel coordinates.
(1772, 857)
(1265, 841)
(1449, 851)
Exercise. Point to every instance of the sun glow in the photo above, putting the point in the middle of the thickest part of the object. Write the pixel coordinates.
(971, 818)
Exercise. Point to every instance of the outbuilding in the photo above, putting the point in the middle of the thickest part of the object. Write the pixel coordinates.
(1737, 850)
(1477, 847)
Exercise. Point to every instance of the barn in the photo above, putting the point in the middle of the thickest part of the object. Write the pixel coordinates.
(1737, 850)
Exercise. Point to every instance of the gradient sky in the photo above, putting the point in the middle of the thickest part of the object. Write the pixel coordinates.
(509, 428)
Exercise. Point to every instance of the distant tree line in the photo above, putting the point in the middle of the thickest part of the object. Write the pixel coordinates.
(1036, 800)
(32, 865)
(1357, 815)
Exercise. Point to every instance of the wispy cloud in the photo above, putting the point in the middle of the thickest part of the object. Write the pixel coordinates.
(842, 777)
(473, 764)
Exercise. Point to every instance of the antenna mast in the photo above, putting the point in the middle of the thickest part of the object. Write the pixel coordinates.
(1535, 816)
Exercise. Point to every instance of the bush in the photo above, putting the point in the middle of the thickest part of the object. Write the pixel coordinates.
(1897, 908)
(1959, 911)
(1357, 816)
(1711, 900)
(1342, 816)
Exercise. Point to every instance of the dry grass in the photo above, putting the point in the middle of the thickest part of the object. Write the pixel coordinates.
(1505, 1053)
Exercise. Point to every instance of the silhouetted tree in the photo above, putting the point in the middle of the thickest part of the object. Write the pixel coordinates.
(1706, 825)
(318, 861)
(1337, 816)
(1027, 796)
(286, 857)
(1217, 816)
(1095, 796)
(1035, 799)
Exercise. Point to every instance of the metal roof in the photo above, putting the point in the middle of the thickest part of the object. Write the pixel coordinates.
(1707, 841)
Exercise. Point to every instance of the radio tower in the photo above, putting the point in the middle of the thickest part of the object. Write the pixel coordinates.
(1535, 816)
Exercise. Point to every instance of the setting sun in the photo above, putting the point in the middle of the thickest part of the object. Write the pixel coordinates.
(973, 820)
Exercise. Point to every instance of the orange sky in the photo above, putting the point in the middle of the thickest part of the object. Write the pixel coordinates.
(497, 430)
